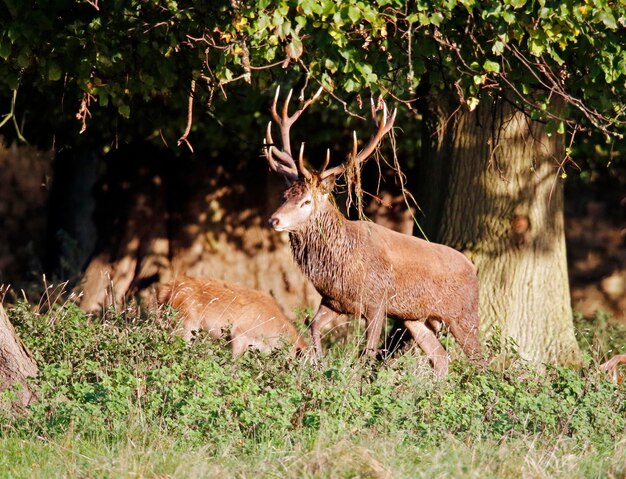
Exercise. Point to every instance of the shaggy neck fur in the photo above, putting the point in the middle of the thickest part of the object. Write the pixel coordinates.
(324, 248)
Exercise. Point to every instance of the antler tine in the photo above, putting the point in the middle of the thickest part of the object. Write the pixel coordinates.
(306, 173)
(382, 129)
(336, 170)
(373, 110)
(285, 121)
(326, 161)
(286, 166)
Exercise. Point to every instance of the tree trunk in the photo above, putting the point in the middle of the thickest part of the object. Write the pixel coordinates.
(16, 363)
(492, 190)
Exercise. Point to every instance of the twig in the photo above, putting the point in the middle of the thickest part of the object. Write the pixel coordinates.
(11, 116)
(83, 111)
(93, 3)
(183, 139)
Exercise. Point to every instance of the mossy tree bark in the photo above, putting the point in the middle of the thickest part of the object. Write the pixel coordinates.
(491, 188)
(16, 363)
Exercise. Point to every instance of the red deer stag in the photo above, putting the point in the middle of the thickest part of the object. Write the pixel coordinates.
(365, 269)
(249, 318)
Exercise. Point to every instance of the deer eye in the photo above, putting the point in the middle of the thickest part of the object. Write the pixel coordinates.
(305, 203)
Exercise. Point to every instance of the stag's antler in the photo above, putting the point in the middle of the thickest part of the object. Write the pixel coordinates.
(381, 129)
(282, 161)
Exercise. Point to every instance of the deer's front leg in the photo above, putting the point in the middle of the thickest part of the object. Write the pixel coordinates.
(375, 319)
(323, 316)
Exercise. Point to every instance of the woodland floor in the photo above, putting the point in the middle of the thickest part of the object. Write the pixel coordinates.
(596, 242)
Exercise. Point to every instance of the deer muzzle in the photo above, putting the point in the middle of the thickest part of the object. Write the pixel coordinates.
(274, 222)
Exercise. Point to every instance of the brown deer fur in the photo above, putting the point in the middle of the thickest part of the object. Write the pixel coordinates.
(611, 367)
(365, 269)
(249, 318)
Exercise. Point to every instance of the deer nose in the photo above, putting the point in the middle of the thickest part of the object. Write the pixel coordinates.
(273, 221)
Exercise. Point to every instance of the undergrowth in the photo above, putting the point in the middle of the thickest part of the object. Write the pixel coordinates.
(109, 381)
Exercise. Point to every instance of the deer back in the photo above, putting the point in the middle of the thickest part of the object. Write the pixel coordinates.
(249, 318)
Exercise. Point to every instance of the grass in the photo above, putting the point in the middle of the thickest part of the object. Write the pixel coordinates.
(120, 397)
(365, 456)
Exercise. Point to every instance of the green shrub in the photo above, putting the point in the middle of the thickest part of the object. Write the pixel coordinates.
(105, 377)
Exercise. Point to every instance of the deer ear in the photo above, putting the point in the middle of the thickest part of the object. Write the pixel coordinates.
(328, 184)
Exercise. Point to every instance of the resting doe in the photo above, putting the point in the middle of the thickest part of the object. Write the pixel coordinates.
(248, 318)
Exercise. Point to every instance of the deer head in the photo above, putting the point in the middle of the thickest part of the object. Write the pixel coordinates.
(309, 190)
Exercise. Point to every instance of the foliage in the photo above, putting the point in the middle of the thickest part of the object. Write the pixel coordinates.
(600, 336)
(136, 60)
(121, 377)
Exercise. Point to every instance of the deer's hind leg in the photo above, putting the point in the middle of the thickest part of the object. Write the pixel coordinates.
(375, 319)
(465, 331)
(429, 343)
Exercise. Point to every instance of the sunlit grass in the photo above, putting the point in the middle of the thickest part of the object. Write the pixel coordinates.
(121, 398)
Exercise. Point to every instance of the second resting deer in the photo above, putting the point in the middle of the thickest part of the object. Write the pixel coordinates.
(246, 317)
(364, 269)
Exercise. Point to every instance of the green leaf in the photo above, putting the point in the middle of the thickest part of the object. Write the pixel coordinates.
(517, 3)
(54, 71)
(301, 22)
(556, 57)
(436, 19)
(491, 66)
(306, 6)
(330, 65)
(472, 103)
(508, 17)
(354, 14)
(370, 15)
(606, 16)
(412, 18)
(12, 80)
(294, 48)
(23, 59)
(536, 47)
(479, 79)
(5, 50)
(283, 30)
(328, 7)
(278, 19)
(124, 110)
(498, 47)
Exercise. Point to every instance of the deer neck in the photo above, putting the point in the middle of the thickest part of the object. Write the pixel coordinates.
(324, 248)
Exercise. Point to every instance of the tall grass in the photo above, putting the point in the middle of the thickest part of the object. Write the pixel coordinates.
(121, 397)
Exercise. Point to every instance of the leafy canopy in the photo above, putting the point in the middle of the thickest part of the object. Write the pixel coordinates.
(121, 57)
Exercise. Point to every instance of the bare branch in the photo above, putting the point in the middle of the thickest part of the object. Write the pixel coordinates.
(183, 139)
